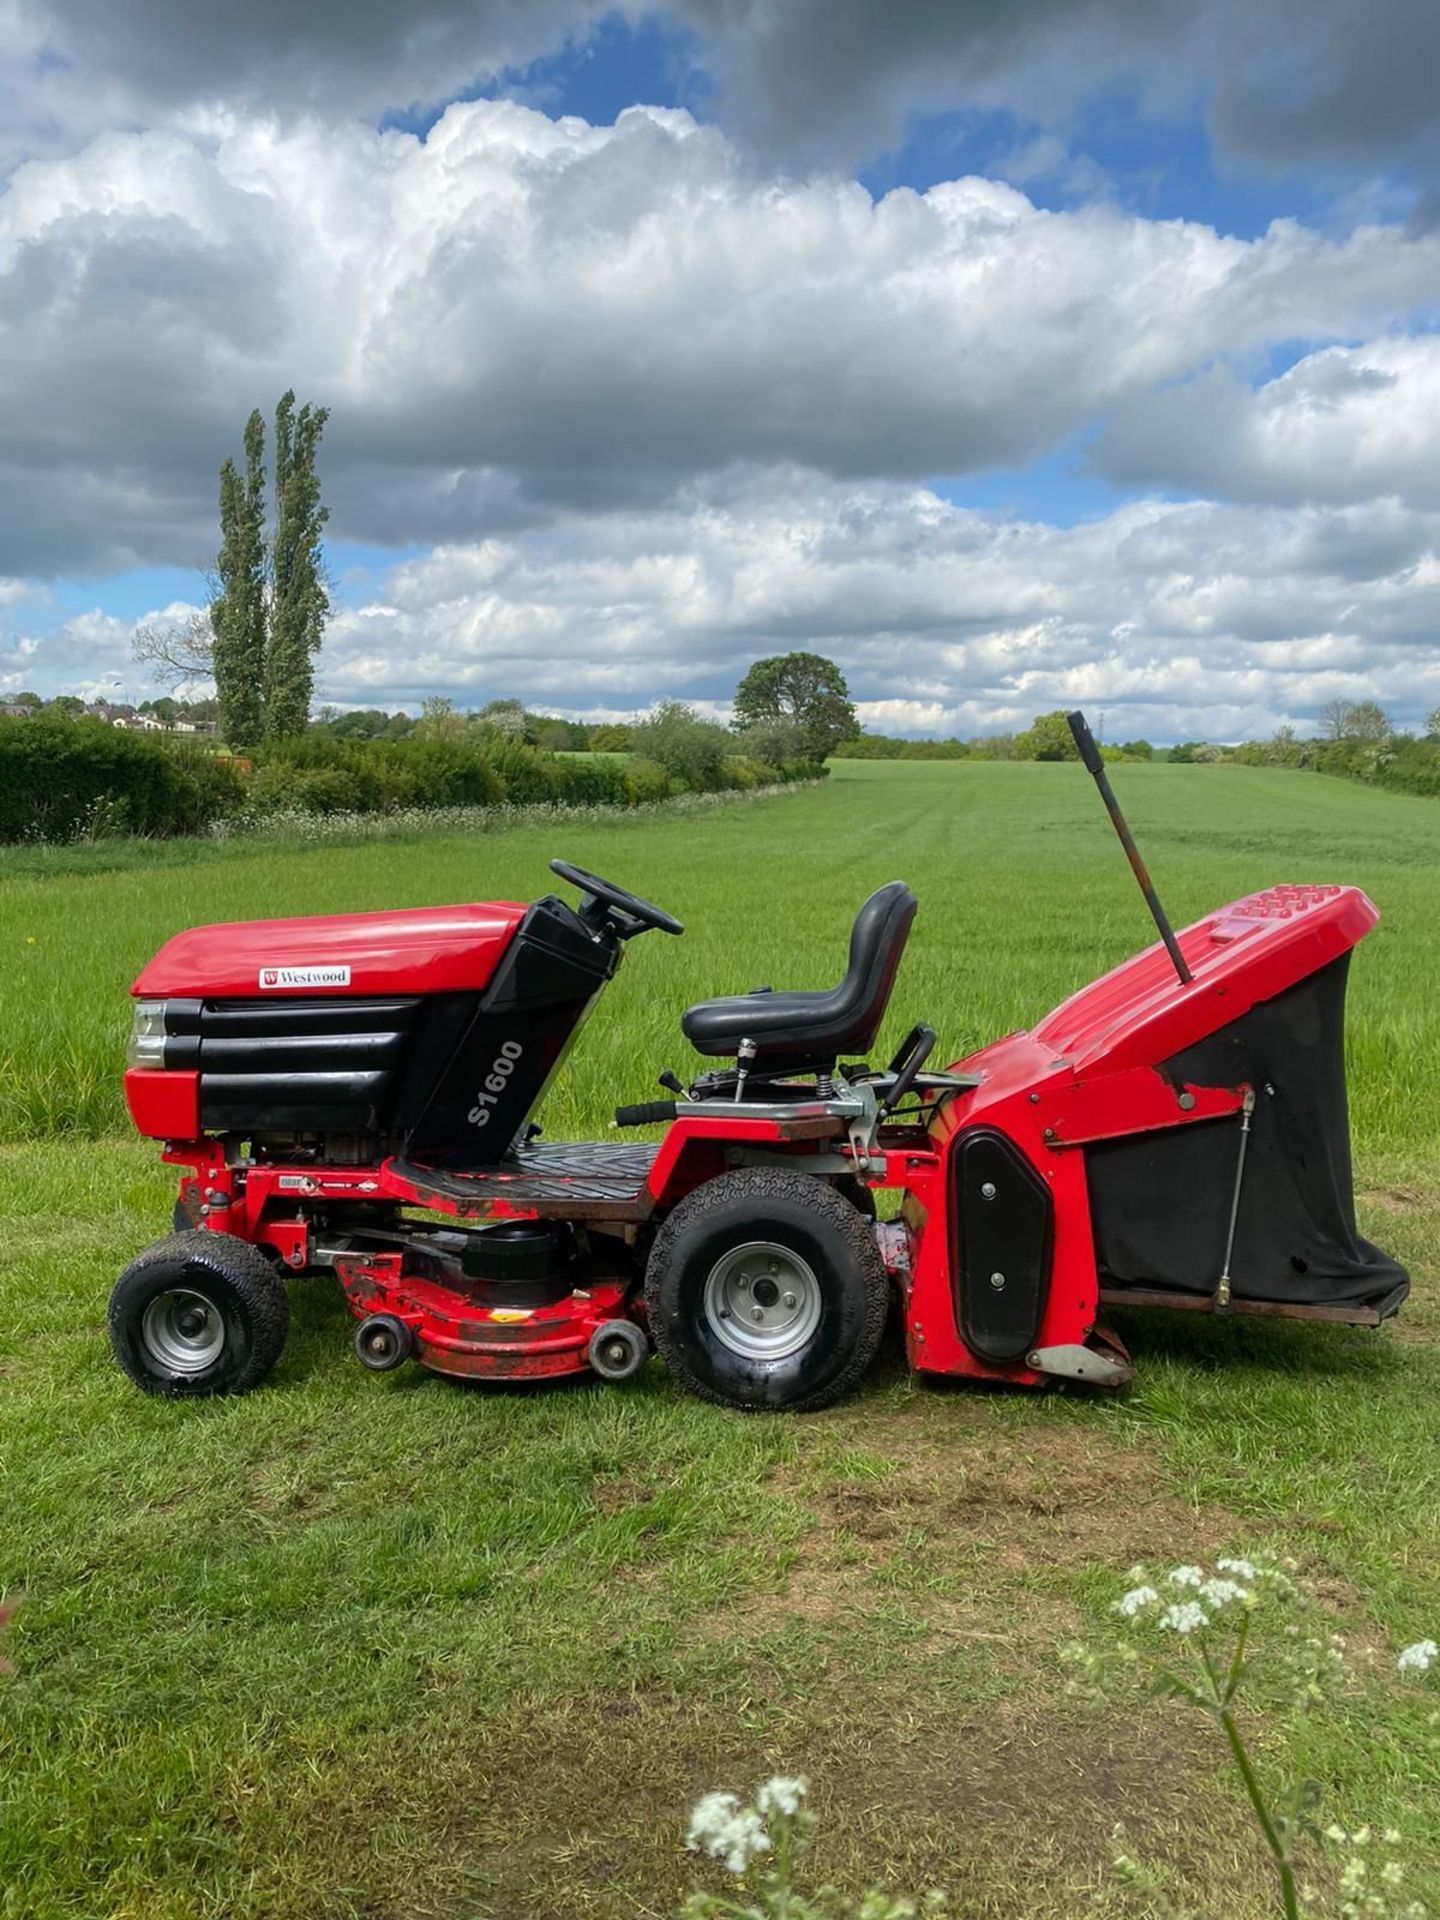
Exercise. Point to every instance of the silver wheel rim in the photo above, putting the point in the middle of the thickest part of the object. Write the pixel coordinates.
(183, 1331)
(763, 1301)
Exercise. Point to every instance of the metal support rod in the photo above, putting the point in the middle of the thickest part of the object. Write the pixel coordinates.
(1095, 767)
(1222, 1285)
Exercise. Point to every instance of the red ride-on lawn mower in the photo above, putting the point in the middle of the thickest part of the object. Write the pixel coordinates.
(354, 1094)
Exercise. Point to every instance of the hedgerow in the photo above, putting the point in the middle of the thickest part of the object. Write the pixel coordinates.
(63, 780)
(78, 779)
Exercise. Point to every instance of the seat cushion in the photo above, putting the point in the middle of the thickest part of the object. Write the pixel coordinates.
(817, 1026)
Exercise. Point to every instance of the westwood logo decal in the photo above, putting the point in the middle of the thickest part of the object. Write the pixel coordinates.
(273, 977)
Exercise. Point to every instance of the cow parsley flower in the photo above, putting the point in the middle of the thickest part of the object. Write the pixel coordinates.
(1241, 1569)
(782, 1795)
(1186, 1616)
(1185, 1576)
(1418, 1658)
(725, 1830)
(1135, 1601)
(1221, 1593)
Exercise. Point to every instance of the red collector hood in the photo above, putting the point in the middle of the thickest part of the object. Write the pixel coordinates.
(415, 950)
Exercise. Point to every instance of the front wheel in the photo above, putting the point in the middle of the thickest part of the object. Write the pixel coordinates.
(765, 1290)
(198, 1313)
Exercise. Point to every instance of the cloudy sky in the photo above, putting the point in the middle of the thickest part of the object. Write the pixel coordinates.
(1013, 352)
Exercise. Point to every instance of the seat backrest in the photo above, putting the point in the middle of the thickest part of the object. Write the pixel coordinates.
(877, 945)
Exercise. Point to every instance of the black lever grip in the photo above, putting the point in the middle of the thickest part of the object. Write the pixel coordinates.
(646, 1114)
(1085, 741)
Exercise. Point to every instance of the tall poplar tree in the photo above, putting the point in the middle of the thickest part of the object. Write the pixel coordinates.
(238, 613)
(268, 618)
(299, 603)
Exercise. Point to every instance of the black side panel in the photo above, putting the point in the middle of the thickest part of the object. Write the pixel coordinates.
(527, 1017)
(300, 1066)
(1002, 1214)
(1160, 1202)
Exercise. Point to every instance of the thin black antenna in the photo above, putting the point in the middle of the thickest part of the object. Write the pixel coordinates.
(1095, 767)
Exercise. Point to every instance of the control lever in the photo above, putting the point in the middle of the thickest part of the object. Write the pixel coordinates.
(648, 1114)
(919, 1043)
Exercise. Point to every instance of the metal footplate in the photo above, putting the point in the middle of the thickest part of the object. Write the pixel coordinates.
(584, 1181)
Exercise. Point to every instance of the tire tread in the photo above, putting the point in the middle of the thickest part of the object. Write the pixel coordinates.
(246, 1269)
(772, 1184)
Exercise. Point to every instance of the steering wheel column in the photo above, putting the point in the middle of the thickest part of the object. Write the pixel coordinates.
(606, 905)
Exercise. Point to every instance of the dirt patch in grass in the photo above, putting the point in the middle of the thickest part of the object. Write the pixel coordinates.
(952, 1514)
(615, 1495)
(1392, 1199)
(585, 1803)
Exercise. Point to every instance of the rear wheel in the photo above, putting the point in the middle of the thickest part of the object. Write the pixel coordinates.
(765, 1289)
(199, 1313)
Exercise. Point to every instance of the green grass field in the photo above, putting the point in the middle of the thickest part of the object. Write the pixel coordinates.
(386, 1647)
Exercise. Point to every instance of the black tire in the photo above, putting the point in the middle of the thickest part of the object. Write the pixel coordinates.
(822, 1245)
(198, 1313)
(861, 1197)
(383, 1342)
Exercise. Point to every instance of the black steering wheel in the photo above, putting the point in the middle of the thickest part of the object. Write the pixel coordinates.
(635, 915)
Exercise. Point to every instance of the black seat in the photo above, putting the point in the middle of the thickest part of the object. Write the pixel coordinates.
(816, 1028)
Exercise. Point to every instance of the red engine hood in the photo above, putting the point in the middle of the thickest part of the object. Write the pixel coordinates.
(415, 950)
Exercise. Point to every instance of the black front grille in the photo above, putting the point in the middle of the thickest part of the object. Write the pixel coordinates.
(294, 1065)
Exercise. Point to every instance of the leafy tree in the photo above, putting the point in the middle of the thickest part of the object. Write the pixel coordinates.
(504, 716)
(1186, 752)
(68, 705)
(238, 612)
(689, 748)
(613, 737)
(1137, 750)
(26, 699)
(1361, 720)
(268, 616)
(1432, 721)
(1048, 737)
(804, 689)
(299, 603)
(559, 736)
(440, 719)
(775, 743)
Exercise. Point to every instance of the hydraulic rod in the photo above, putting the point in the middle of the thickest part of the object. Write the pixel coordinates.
(1095, 767)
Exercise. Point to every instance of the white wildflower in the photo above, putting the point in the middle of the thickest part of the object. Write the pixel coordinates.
(1418, 1658)
(1135, 1600)
(1352, 1877)
(725, 1830)
(1220, 1593)
(712, 1812)
(1187, 1616)
(1242, 1569)
(783, 1794)
(1185, 1576)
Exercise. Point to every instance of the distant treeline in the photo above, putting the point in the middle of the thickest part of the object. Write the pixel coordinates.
(1356, 742)
(1046, 738)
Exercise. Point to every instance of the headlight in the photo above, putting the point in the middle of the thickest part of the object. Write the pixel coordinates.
(147, 1035)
